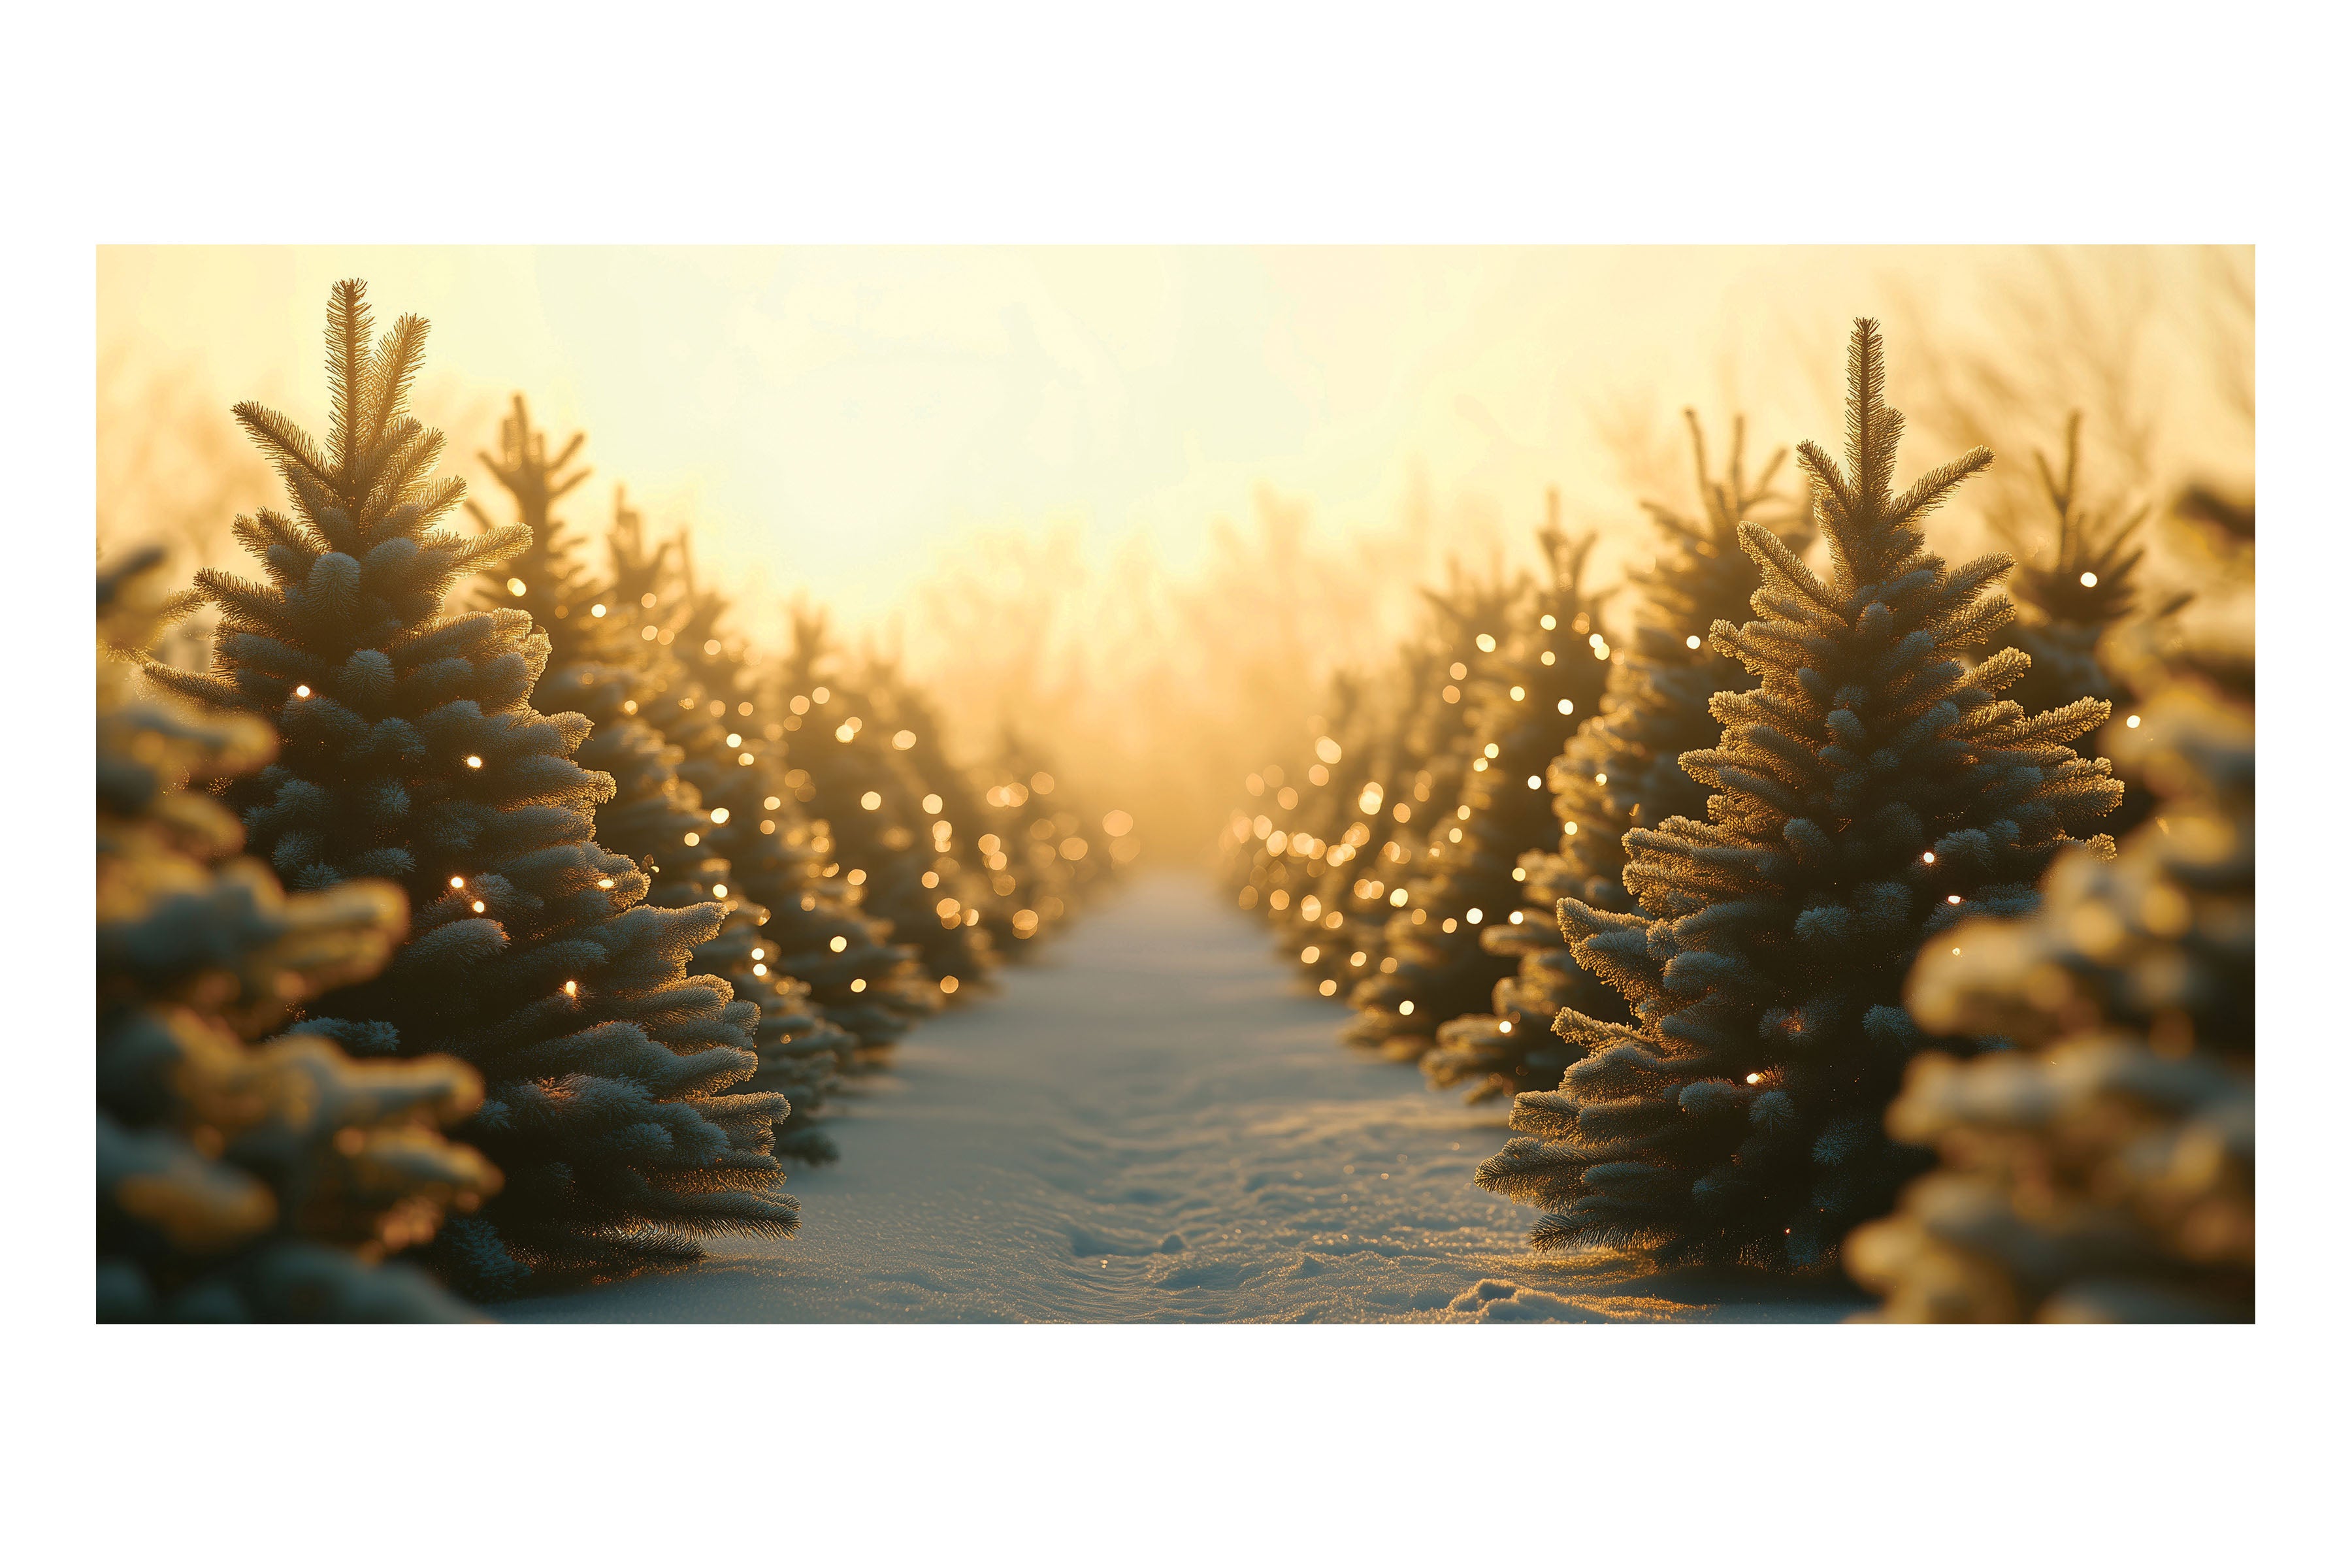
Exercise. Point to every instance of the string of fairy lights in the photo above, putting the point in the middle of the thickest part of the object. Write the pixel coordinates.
(1404, 849)
(1058, 834)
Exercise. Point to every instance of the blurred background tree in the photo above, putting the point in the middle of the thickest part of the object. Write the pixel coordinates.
(2103, 1170)
(1540, 676)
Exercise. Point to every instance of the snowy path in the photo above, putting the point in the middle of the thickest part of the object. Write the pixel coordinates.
(1150, 1124)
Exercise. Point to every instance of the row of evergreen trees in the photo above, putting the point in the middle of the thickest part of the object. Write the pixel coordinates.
(1759, 916)
(587, 909)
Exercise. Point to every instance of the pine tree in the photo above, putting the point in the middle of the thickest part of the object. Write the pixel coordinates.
(1868, 795)
(2076, 584)
(1326, 834)
(2104, 1171)
(1470, 618)
(872, 805)
(1383, 844)
(602, 667)
(815, 932)
(1620, 772)
(952, 801)
(1269, 882)
(1415, 757)
(410, 751)
(237, 1181)
(1542, 680)
(1022, 834)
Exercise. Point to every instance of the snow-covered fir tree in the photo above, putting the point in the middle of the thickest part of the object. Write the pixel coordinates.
(2103, 1170)
(601, 666)
(1543, 677)
(1325, 837)
(1869, 794)
(953, 812)
(2077, 580)
(1620, 772)
(244, 1182)
(1389, 783)
(410, 751)
(752, 803)
(1268, 880)
(872, 806)
(1022, 833)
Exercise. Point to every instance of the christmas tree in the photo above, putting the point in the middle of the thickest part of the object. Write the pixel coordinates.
(410, 751)
(237, 1182)
(1326, 834)
(872, 806)
(601, 666)
(1413, 772)
(1260, 832)
(1620, 772)
(1543, 678)
(1023, 832)
(987, 893)
(1870, 794)
(2104, 1171)
(813, 932)
(2071, 592)
(1383, 843)
(2077, 580)
(1470, 618)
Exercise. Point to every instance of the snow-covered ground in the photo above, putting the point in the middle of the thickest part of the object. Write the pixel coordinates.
(1152, 1124)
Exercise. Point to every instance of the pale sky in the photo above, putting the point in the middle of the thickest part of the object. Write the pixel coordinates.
(827, 417)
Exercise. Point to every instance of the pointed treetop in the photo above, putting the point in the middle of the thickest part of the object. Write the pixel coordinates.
(376, 470)
(1868, 526)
